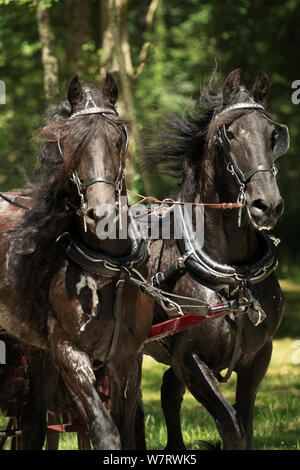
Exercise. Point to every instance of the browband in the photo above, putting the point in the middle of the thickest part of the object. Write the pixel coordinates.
(94, 110)
(232, 107)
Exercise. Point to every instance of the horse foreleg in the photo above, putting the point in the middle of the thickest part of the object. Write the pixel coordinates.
(249, 378)
(172, 392)
(78, 375)
(33, 421)
(200, 380)
(124, 402)
(140, 435)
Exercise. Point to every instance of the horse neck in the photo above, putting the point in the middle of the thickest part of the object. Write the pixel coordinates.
(223, 239)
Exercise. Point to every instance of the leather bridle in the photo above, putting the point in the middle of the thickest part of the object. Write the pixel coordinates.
(83, 185)
(280, 147)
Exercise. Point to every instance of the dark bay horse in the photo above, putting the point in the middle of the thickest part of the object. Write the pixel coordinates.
(228, 151)
(63, 289)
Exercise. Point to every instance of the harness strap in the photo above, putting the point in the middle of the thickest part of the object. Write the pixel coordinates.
(13, 203)
(176, 269)
(239, 320)
(118, 314)
(173, 304)
(251, 173)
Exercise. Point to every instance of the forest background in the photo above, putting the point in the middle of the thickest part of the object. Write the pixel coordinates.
(161, 52)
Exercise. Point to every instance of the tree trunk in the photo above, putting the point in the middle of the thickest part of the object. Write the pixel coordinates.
(115, 39)
(50, 63)
(77, 19)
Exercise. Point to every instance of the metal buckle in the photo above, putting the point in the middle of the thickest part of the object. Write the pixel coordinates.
(230, 168)
(157, 278)
(173, 306)
(242, 196)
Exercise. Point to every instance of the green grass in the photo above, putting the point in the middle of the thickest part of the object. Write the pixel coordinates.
(277, 410)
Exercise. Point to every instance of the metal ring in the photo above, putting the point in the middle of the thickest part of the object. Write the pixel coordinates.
(168, 200)
(230, 168)
(242, 198)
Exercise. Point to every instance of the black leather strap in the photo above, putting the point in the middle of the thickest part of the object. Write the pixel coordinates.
(174, 270)
(247, 176)
(104, 265)
(243, 178)
(13, 203)
(217, 274)
(118, 313)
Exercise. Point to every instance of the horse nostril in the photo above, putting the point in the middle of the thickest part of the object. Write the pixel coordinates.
(91, 214)
(279, 209)
(259, 204)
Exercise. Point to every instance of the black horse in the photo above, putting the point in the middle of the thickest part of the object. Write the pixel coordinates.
(63, 289)
(228, 151)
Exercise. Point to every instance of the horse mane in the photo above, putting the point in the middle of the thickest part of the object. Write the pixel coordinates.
(184, 146)
(34, 255)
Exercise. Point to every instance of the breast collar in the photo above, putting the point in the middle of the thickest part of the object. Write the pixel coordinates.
(99, 263)
(221, 275)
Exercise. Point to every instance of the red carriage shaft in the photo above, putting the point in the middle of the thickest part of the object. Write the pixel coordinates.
(176, 325)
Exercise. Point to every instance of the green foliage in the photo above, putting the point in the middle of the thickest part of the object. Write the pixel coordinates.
(30, 3)
(187, 40)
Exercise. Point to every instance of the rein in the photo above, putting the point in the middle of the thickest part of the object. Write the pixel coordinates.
(222, 205)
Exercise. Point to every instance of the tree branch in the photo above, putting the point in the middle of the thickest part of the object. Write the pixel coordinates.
(126, 86)
(145, 48)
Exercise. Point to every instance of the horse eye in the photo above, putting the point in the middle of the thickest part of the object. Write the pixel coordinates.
(230, 135)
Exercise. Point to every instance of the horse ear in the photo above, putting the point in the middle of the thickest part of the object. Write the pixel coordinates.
(110, 88)
(74, 91)
(261, 86)
(231, 85)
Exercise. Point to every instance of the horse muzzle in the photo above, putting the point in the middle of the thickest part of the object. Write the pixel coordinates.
(263, 214)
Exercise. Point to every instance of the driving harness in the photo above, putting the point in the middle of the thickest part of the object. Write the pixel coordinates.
(239, 280)
(193, 259)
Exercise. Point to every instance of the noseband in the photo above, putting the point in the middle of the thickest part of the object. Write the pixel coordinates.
(82, 185)
(280, 147)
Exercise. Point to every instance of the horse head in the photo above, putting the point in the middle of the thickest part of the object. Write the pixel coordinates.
(249, 142)
(93, 146)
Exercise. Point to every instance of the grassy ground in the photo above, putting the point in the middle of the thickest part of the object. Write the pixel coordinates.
(277, 411)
